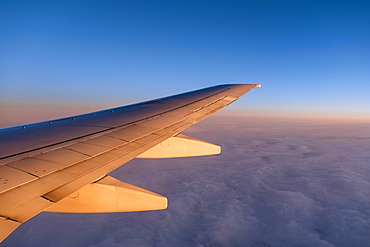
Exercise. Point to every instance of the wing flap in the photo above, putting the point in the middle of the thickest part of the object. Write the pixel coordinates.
(21, 205)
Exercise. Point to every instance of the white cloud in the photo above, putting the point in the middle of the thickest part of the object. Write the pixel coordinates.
(273, 185)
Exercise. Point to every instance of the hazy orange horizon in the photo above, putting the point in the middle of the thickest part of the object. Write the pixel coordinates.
(20, 113)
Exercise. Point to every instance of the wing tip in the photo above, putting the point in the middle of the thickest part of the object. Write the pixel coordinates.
(253, 85)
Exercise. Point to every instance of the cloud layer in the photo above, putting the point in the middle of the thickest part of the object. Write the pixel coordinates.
(275, 184)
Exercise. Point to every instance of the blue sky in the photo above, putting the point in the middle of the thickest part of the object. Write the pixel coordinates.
(312, 57)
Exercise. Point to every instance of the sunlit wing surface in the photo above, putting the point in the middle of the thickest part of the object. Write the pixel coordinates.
(61, 165)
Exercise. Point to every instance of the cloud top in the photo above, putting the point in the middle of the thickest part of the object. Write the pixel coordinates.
(274, 185)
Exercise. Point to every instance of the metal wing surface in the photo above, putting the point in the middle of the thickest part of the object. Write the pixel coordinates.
(61, 165)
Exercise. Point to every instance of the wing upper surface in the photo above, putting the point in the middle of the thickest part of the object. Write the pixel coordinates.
(44, 162)
(22, 140)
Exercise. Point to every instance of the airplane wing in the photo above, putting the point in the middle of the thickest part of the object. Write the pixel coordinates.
(62, 165)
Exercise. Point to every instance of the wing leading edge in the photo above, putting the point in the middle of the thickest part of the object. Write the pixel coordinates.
(58, 165)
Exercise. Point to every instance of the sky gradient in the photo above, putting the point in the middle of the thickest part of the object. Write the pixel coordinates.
(294, 170)
(68, 57)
